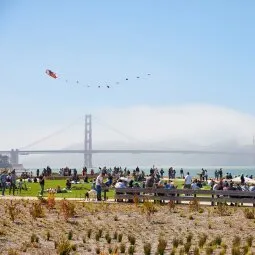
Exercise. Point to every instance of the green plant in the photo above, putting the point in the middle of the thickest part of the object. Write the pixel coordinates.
(131, 249)
(131, 239)
(224, 246)
(236, 250)
(36, 210)
(209, 250)
(217, 240)
(107, 236)
(109, 239)
(236, 241)
(97, 250)
(33, 238)
(51, 201)
(136, 200)
(13, 210)
(173, 252)
(189, 237)
(147, 248)
(249, 214)
(181, 251)
(89, 231)
(67, 208)
(12, 252)
(196, 251)
(120, 237)
(100, 232)
(175, 242)
(97, 236)
(245, 249)
(249, 240)
(122, 248)
(110, 249)
(222, 252)
(194, 205)
(187, 247)
(115, 250)
(48, 235)
(202, 240)
(201, 210)
(115, 235)
(70, 235)
(171, 205)
(191, 217)
(149, 209)
(74, 247)
(161, 246)
(223, 210)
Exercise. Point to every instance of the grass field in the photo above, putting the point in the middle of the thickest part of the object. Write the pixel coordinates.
(77, 191)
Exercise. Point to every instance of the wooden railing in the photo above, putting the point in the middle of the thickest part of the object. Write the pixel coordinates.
(179, 195)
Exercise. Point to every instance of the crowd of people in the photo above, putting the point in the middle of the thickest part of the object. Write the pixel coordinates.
(120, 178)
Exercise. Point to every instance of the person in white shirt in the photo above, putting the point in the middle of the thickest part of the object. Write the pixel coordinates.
(99, 183)
(187, 181)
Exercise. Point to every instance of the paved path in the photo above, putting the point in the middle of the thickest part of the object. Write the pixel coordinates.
(111, 201)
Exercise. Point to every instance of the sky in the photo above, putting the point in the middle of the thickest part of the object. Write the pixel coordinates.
(200, 55)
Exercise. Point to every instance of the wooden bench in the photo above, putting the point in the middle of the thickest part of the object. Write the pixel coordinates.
(179, 195)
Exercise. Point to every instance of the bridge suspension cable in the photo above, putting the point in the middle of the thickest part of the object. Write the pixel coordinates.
(128, 137)
(105, 124)
(45, 138)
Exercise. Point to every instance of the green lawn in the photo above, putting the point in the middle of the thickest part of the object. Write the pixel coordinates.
(180, 182)
(78, 190)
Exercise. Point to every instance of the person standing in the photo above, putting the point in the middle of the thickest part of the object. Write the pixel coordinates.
(99, 183)
(187, 181)
(12, 182)
(162, 173)
(3, 179)
(242, 179)
(182, 173)
(41, 182)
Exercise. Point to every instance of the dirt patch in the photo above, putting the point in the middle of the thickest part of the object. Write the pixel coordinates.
(92, 228)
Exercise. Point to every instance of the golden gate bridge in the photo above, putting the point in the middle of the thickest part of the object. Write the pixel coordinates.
(88, 151)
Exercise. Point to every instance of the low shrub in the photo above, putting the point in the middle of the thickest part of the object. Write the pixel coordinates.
(147, 248)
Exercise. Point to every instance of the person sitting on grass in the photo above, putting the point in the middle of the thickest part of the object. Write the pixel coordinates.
(169, 185)
(120, 184)
(109, 180)
(86, 179)
(194, 185)
(68, 184)
(59, 190)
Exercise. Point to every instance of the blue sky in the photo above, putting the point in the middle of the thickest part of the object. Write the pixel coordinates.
(198, 52)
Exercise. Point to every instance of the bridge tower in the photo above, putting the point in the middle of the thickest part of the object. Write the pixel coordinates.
(14, 156)
(88, 141)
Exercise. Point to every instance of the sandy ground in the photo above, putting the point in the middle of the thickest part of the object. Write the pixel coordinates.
(223, 227)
